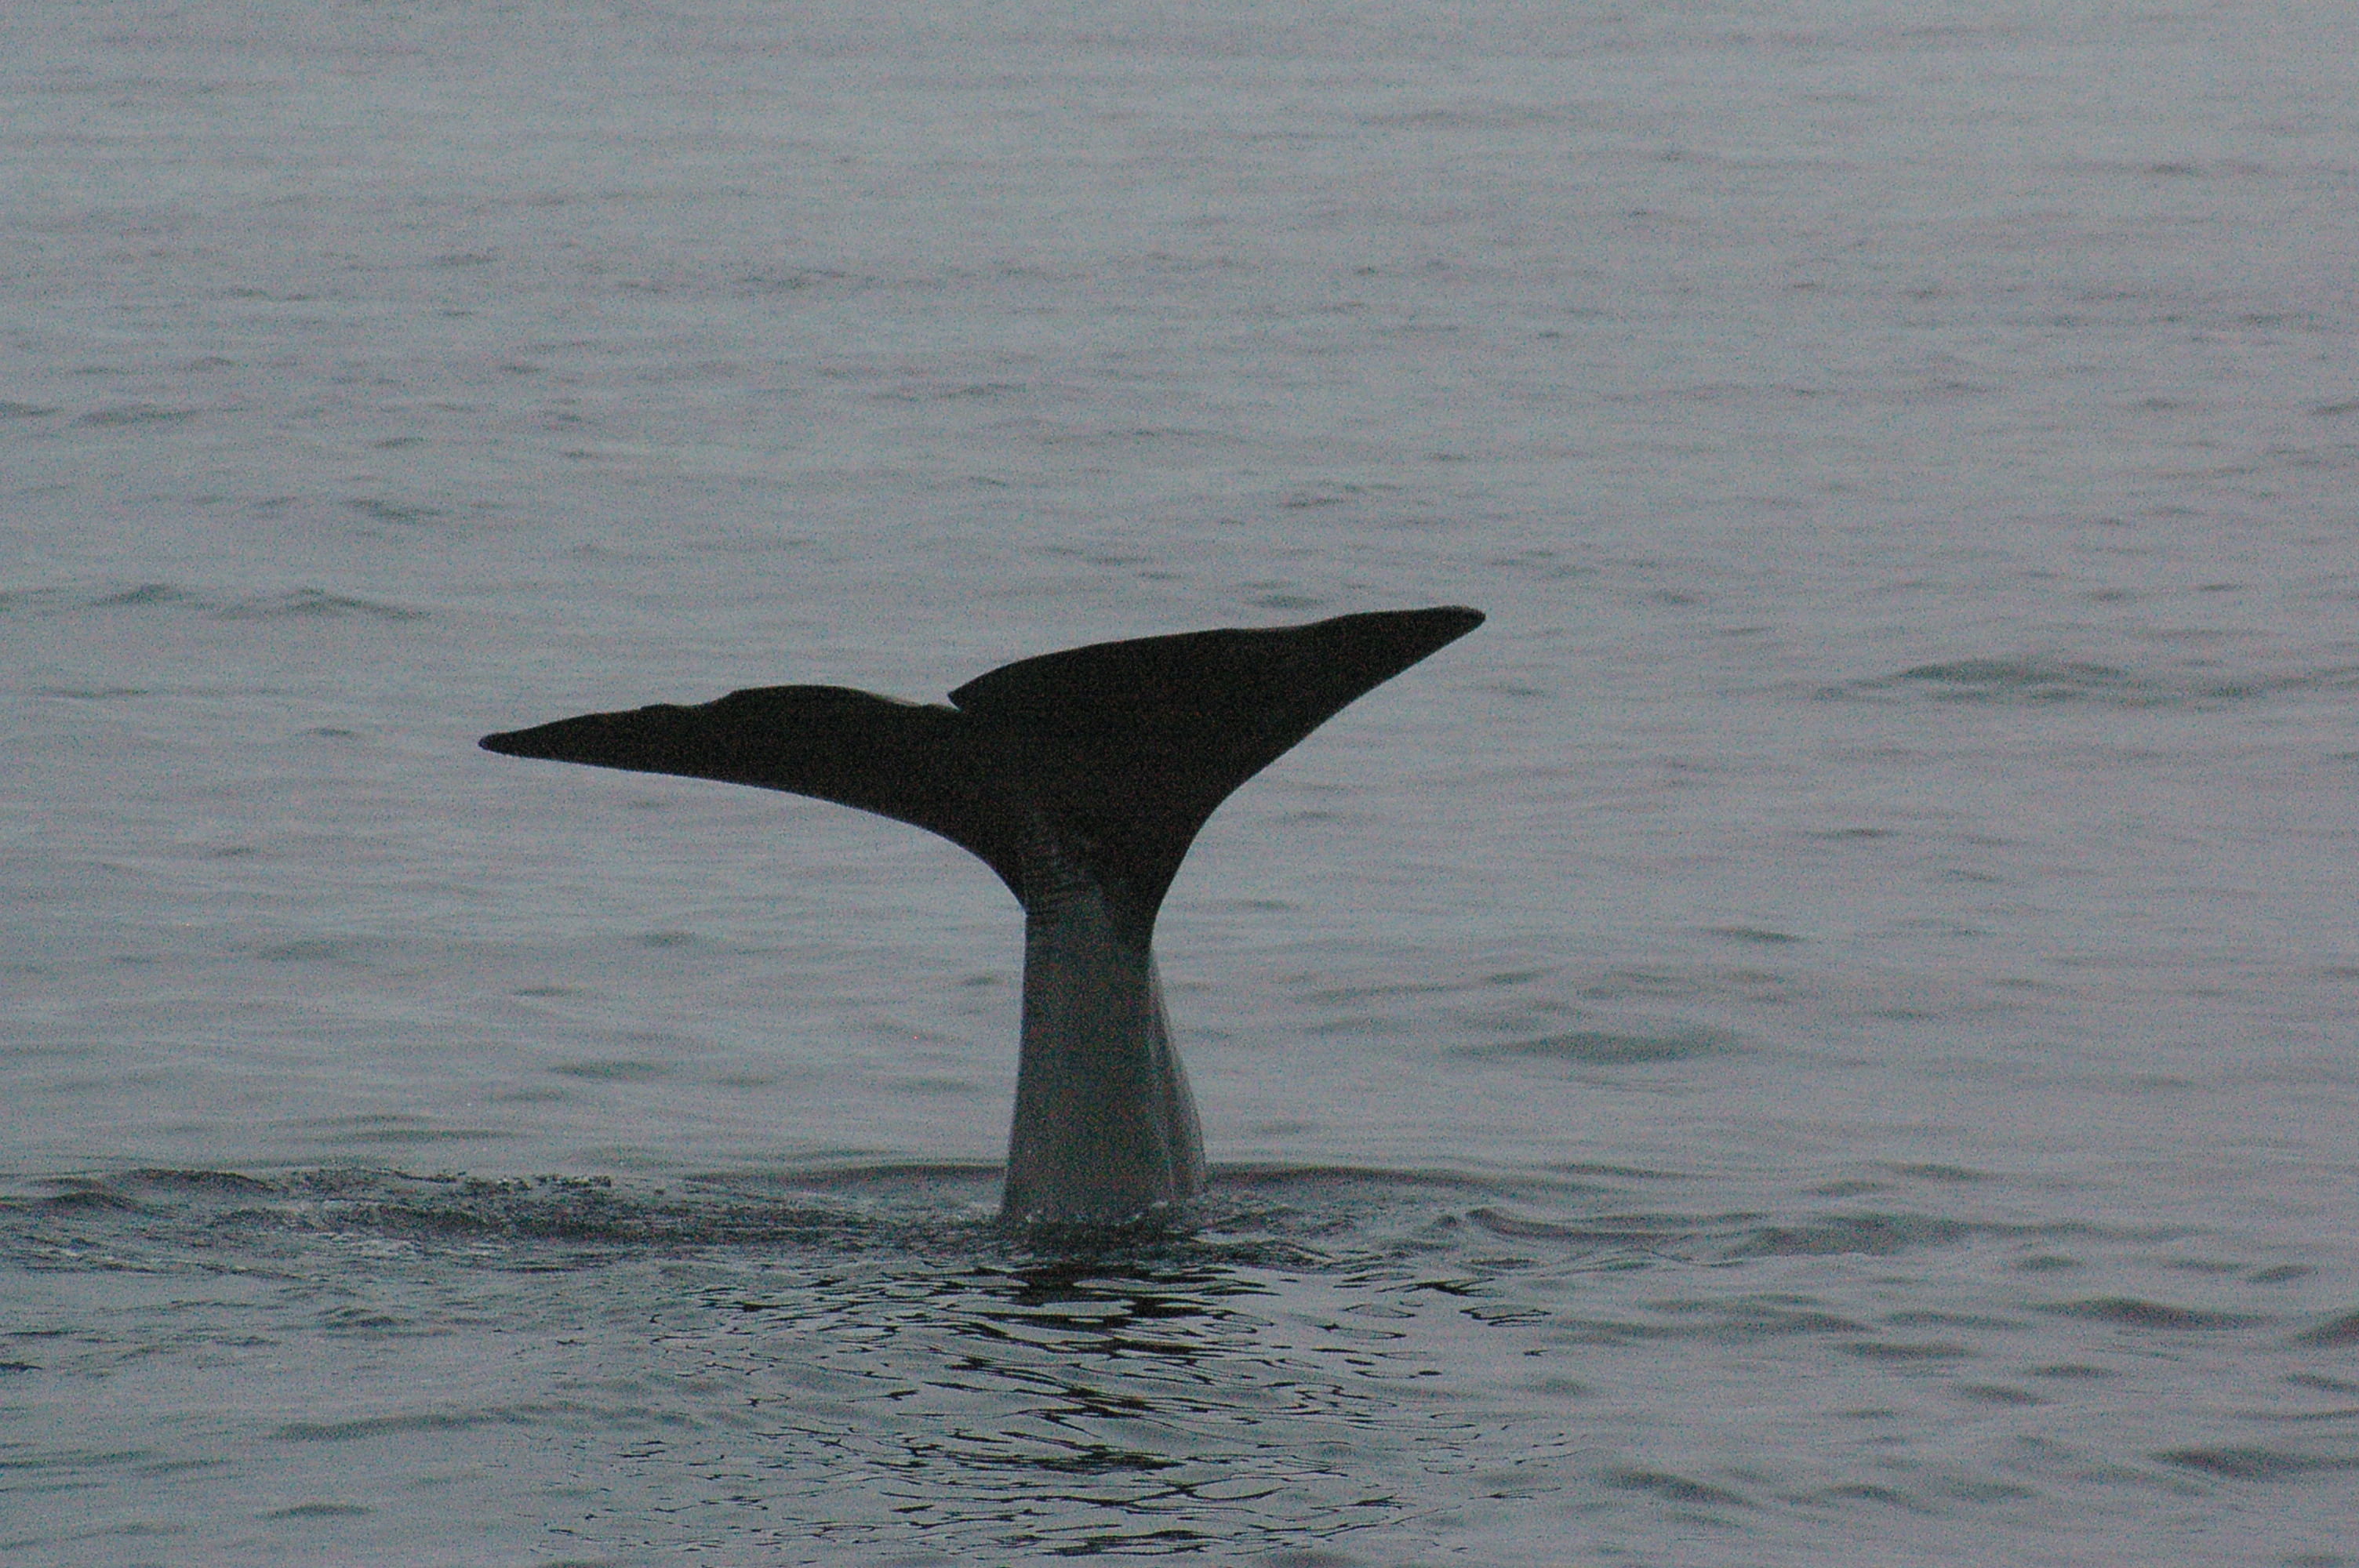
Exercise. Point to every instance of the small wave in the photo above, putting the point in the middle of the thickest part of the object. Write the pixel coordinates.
(310, 950)
(2031, 682)
(797, 279)
(383, 1425)
(311, 603)
(1609, 1048)
(2341, 1331)
(2011, 682)
(2131, 1313)
(135, 414)
(302, 604)
(1511, 1227)
(1908, 1350)
(378, 510)
(612, 1071)
(1672, 1486)
(88, 1196)
(145, 594)
(1875, 1234)
(204, 1181)
(1758, 936)
(414, 1137)
(2254, 1464)
(66, 601)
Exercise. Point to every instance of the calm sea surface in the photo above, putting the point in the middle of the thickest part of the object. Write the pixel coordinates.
(1824, 1033)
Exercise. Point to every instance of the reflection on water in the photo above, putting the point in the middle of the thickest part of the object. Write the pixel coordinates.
(1077, 1402)
(1141, 1393)
(1341, 1366)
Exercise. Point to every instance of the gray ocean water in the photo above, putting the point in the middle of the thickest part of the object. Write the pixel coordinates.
(1822, 1034)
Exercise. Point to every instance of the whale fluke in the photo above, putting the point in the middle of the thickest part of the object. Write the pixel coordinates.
(1081, 778)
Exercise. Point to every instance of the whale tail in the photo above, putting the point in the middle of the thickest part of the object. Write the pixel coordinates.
(1081, 777)
(1108, 759)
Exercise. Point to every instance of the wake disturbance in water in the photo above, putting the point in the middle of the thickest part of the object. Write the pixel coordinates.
(863, 1364)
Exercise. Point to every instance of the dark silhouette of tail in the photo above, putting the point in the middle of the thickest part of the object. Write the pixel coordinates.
(1108, 758)
(1082, 778)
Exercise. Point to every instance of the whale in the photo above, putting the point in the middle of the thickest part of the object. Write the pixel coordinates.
(1081, 778)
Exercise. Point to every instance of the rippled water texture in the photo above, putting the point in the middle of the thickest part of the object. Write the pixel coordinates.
(1336, 1367)
(1821, 1034)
